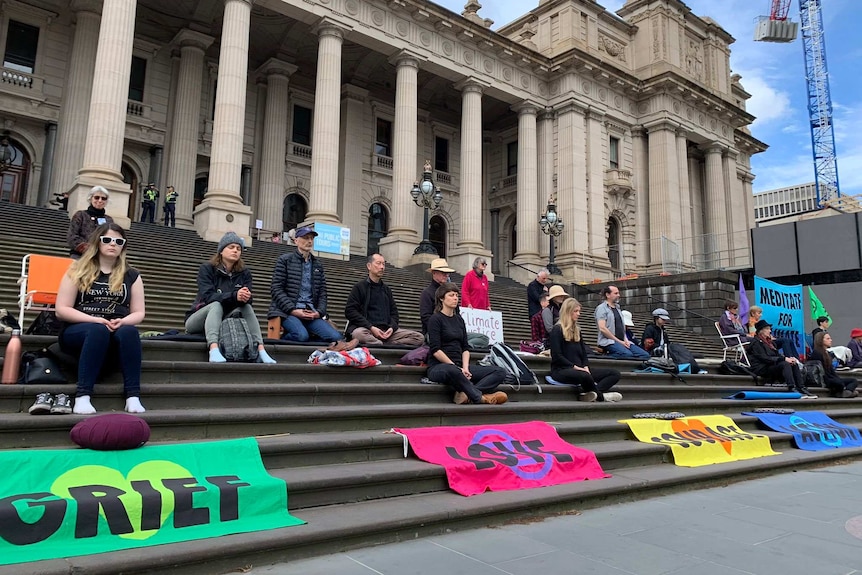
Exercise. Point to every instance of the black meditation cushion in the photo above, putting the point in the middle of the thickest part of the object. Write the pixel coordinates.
(112, 431)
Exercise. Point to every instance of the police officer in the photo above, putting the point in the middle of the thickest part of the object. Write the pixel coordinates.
(148, 203)
(171, 196)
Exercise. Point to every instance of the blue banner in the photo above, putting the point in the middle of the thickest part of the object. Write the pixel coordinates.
(782, 307)
(812, 430)
(332, 239)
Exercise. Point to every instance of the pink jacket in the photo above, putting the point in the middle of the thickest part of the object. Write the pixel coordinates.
(474, 291)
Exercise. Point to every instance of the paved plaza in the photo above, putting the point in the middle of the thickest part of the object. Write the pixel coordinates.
(804, 523)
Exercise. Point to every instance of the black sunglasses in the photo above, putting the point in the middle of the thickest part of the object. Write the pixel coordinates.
(108, 239)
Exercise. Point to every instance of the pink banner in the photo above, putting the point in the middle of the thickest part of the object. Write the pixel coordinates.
(503, 457)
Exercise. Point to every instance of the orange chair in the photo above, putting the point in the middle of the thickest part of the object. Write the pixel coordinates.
(40, 281)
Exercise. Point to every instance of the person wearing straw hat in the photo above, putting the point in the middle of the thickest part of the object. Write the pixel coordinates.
(440, 271)
(551, 314)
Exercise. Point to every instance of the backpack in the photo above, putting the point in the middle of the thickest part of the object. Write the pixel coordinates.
(815, 375)
(663, 364)
(730, 367)
(46, 323)
(234, 339)
(681, 355)
(503, 356)
(477, 340)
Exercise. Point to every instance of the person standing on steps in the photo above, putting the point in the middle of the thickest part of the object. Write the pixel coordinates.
(171, 196)
(84, 222)
(474, 287)
(148, 202)
(101, 303)
(224, 284)
(535, 290)
(440, 271)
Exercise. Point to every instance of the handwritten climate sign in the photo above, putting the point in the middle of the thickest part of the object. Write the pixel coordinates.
(65, 503)
(782, 307)
(703, 440)
(812, 430)
(484, 321)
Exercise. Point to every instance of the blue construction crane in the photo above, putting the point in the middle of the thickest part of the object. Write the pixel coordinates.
(777, 27)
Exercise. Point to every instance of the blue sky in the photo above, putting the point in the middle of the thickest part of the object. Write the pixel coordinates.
(775, 76)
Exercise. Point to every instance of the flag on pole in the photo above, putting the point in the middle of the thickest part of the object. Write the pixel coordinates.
(817, 309)
(743, 302)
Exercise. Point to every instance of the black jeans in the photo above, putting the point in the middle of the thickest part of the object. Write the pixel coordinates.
(599, 379)
(485, 379)
(93, 343)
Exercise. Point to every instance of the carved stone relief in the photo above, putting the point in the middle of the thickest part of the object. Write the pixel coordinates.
(694, 59)
(612, 47)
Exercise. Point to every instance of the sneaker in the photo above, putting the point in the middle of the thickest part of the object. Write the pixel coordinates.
(589, 396)
(496, 398)
(44, 402)
(612, 396)
(461, 398)
(62, 405)
(846, 394)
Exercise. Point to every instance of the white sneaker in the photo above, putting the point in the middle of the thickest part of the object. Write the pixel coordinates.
(612, 396)
(588, 396)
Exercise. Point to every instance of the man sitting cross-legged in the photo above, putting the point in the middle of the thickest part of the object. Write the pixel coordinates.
(372, 316)
(612, 331)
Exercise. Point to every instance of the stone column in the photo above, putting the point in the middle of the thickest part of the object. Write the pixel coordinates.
(470, 244)
(495, 240)
(572, 188)
(697, 210)
(72, 128)
(270, 199)
(737, 221)
(596, 165)
(664, 215)
(529, 210)
(106, 124)
(183, 151)
(323, 198)
(399, 244)
(351, 138)
(545, 149)
(47, 164)
(245, 190)
(715, 242)
(640, 180)
(154, 175)
(686, 217)
(222, 209)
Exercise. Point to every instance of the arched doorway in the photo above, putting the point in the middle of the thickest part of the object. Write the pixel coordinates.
(513, 241)
(131, 178)
(378, 226)
(293, 212)
(614, 247)
(14, 171)
(201, 183)
(437, 235)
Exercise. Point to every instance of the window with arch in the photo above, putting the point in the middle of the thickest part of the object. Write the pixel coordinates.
(378, 226)
(614, 247)
(15, 173)
(437, 234)
(293, 211)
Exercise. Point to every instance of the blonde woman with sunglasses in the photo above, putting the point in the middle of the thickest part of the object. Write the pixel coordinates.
(83, 222)
(101, 302)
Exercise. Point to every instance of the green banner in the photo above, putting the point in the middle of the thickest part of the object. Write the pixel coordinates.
(70, 502)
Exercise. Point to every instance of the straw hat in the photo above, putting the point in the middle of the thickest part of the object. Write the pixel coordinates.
(440, 265)
(556, 290)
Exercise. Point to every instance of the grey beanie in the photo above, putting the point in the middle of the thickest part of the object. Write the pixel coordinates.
(228, 239)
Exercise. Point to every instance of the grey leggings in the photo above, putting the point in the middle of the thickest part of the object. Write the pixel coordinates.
(207, 321)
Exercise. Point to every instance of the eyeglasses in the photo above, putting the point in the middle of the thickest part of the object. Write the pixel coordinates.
(109, 240)
(100, 198)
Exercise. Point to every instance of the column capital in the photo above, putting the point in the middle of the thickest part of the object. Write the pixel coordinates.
(682, 133)
(663, 124)
(94, 6)
(594, 114)
(713, 148)
(276, 67)
(547, 113)
(406, 58)
(731, 154)
(638, 131)
(471, 84)
(192, 39)
(249, 2)
(571, 107)
(329, 27)
(351, 92)
(526, 108)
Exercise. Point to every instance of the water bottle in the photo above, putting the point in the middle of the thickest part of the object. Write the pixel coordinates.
(12, 358)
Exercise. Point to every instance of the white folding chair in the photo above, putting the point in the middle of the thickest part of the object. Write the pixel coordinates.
(733, 344)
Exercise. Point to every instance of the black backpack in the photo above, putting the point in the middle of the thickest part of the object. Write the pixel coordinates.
(730, 367)
(503, 356)
(235, 341)
(815, 375)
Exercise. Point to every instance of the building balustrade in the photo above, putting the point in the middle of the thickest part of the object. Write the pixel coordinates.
(443, 178)
(21, 82)
(138, 110)
(509, 182)
(618, 181)
(300, 150)
(383, 162)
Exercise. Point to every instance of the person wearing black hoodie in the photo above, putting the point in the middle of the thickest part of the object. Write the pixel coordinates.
(84, 222)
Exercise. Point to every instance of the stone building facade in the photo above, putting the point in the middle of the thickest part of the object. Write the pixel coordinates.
(290, 111)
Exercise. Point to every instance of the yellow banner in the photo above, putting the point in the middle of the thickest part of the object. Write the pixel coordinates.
(704, 440)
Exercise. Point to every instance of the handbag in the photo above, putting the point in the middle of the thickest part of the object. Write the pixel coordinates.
(40, 370)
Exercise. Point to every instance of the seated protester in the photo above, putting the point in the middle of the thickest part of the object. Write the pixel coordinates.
(767, 362)
(224, 284)
(629, 322)
(655, 339)
(855, 347)
(83, 222)
(551, 314)
(372, 316)
(440, 271)
(612, 332)
(786, 345)
(449, 354)
(101, 303)
(299, 296)
(729, 323)
(569, 362)
(823, 323)
(838, 386)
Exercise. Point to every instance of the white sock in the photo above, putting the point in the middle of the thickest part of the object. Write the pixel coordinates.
(263, 357)
(83, 405)
(216, 356)
(133, 405)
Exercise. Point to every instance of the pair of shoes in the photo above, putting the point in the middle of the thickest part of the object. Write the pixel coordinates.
(847, 394)
(589, 396)
(495, 398)
(46, 403)
(460, 398)
(612, 396)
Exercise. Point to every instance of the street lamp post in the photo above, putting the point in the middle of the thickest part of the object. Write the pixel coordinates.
(552, 226)
(427, 196)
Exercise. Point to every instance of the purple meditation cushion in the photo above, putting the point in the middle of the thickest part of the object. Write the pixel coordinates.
(112, 431)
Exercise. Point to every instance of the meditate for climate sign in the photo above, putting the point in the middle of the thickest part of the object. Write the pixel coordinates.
(71, 502)
(782, 307)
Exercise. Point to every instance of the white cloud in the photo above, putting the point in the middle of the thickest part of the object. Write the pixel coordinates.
(767, 103)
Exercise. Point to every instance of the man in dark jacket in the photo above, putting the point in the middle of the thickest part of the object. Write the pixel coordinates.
(440, 271)
(372, 316)
(535, 290)
(768, 363)
(299, 293)
(655, 339)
